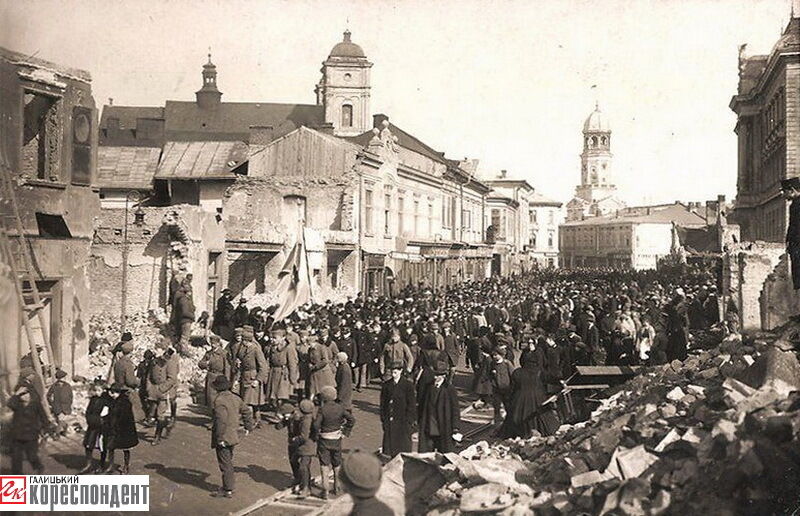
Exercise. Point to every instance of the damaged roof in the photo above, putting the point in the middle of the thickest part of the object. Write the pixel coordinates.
(127, 167)
(201, 160)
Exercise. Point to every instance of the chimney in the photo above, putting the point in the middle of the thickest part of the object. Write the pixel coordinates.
(503, 174)
(377, 120)
(110, 101)
(261, 134)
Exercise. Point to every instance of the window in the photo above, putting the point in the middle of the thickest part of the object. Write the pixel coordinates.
(430, 219)
(533, 216)
(550, 236)
(466, 219)
(41, 149)
(416, 217)
(387, 209)
(401, 201)
(347, 115)
(551, 217)
(497, 224)
(368, 211)
(533, 240)
(448, 211)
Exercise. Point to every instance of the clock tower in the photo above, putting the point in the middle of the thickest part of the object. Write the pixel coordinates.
(597, 181)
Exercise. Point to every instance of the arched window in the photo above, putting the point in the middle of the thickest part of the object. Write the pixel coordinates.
(347, 115)
(603, 140)
(594, 141)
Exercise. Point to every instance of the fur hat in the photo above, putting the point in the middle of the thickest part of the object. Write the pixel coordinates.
(221, 383)
(328, 393)
(306, 406)
(361, 474)
(126, 337)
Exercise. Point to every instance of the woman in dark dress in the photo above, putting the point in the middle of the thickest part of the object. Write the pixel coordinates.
(119, 428)
(527, 412)
(98, 400)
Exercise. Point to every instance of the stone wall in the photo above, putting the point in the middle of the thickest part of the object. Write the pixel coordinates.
(172, 238)
(745, 275)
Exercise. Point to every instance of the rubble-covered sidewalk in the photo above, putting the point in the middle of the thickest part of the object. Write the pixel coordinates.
(716, 434)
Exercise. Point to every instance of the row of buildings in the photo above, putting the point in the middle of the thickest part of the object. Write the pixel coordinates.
(119, 201)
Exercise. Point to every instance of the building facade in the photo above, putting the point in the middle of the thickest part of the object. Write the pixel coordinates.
(635, 238)
(767, 106)
(48, 143)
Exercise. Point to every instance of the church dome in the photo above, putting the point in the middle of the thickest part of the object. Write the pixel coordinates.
(597, 122)
(347, 48)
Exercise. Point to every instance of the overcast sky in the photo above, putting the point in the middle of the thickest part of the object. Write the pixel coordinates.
(507, 82)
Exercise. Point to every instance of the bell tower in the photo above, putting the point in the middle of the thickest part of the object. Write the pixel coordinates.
(596, 178)
(344, 89)
(209, 96)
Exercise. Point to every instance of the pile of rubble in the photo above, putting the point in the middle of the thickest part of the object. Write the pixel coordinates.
(718, 433)
(148, 329)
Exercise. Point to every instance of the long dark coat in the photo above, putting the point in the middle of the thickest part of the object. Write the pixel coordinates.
(94, 423)
(367, 348)
(119, 428)
(125, 373)
(344, 385)
(398, 414)
(526, 413)
(443, 402)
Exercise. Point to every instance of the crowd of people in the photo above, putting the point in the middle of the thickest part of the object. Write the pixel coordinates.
(520, 337)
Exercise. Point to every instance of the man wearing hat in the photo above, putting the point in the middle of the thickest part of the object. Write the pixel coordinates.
(254, 371)
(395, 351)
(233, 354)
(332, 423)
(283, 372)
(159, 385)
(398, 411)
(223, 315)
(360, 477)
(344, 381)
(677, 327)
(214, 362)
(791, 191)
(183, 314)
(440, 416)
(229, 410)
(125, 372)
(241, 314)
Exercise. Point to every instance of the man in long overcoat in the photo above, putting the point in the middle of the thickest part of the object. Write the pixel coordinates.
(254, 371)
(283, 372)
(440, 419)
(677, 327)
(398, 412)
(125, 373)
(228, 409)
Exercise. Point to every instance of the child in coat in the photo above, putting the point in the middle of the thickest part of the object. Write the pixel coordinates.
(98, 401)
(60, 398)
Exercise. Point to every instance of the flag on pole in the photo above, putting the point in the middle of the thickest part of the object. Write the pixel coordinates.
(294, 288)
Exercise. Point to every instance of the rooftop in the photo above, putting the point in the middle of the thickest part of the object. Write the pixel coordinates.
(677, 213)
(201, 160)
(127, 167)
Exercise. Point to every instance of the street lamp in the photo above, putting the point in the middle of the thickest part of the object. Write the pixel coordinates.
(138, 220)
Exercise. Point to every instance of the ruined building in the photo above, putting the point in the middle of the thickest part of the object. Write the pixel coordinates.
(48, 136)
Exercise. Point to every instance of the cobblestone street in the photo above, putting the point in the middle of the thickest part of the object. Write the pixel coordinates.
(183, 469)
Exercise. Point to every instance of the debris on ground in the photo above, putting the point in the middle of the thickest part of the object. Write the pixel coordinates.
(718, 433)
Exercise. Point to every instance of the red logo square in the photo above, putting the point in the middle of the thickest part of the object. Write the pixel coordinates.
(13, 490)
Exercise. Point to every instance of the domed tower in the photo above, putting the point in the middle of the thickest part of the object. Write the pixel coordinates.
(344, 89)
(596, 179)
(209, 96)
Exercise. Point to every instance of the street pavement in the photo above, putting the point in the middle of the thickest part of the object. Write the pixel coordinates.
(183, 469)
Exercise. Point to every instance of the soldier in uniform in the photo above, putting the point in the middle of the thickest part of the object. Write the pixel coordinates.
(173, 370)
(158, 389)
(791, 191)
(215, 362)
(229, 410)
(233, 354)
(283, 374)
(125, 373)
(254, 372)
